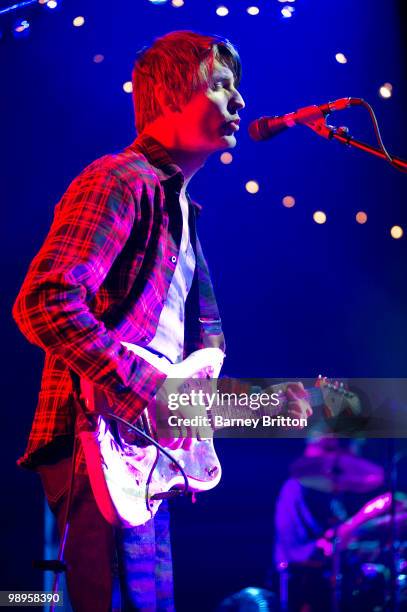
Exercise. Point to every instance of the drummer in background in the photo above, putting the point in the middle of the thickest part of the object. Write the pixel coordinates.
(304, 514)
(306, 510)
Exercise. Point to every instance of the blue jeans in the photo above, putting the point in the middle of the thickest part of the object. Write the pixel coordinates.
(95, 551)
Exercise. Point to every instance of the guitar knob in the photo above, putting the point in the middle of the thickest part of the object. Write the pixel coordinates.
(211, 470)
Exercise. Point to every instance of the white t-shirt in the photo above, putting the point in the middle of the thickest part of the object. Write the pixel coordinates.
(169, 337)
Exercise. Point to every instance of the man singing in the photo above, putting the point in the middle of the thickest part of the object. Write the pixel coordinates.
(122, 262)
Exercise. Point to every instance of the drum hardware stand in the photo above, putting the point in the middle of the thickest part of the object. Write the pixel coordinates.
(394, 590)
(284, 582)
(336, 577)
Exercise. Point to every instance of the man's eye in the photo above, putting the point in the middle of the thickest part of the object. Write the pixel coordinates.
(222, 85)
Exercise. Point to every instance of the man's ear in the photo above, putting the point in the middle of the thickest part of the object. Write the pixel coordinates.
(165, 101)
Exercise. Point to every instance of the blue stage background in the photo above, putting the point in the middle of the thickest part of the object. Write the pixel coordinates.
(297, 299)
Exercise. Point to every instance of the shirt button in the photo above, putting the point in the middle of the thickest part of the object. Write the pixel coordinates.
(173, 259)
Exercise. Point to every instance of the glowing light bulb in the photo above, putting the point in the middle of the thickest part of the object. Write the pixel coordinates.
(252, 187)
(288, 201)
(386, 90)
(78, 21)
(222, 11)
(287, 11)
(361, 217)
(52, 4)
(128, 87)
(396, 232)
(21, 28)
(253, 10)
(22, 25)
(341, 58)
(319, 217)
(177, 3)
(226, 158)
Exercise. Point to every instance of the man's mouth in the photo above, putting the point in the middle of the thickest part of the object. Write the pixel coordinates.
(232, 126)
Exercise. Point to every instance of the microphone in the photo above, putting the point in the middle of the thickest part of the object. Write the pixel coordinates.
(267, 127)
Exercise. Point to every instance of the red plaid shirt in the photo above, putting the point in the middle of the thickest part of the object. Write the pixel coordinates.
(101, 277)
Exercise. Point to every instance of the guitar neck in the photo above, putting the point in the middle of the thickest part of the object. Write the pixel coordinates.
(242, 401)
(243, 406)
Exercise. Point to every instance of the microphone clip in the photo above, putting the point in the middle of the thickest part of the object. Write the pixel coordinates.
(320, 127)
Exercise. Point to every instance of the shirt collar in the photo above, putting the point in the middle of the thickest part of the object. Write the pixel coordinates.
(158, 157)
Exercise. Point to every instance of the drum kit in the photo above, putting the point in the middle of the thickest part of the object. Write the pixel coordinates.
(367, 559)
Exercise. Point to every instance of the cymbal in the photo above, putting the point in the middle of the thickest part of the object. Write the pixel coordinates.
(337, 472)
(380, 528)
(371, 520)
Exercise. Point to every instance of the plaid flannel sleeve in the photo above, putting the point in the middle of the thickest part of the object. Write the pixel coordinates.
(91, 226)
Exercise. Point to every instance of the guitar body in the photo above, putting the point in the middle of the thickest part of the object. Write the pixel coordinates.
(130, 477)
(125, 477)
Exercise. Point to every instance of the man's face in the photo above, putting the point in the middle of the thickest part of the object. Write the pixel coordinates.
(210, 120)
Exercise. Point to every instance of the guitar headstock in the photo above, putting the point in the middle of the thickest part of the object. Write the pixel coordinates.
(337, 398)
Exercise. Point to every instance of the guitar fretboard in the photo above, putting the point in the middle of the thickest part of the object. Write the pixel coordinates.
(243, 405)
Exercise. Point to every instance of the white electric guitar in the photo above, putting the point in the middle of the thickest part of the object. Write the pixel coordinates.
(130, 480)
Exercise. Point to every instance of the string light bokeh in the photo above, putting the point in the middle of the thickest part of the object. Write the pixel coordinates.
(23, 28)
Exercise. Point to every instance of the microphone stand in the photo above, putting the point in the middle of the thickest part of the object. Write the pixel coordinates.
(342, 135)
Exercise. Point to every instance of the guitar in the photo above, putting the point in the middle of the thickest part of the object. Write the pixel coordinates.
(130, 479)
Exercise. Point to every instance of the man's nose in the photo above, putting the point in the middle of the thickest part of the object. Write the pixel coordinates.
(237, 101)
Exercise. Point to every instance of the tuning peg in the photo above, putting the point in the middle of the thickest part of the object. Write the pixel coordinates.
(322, 381)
